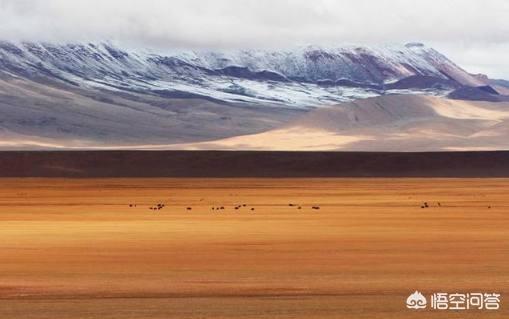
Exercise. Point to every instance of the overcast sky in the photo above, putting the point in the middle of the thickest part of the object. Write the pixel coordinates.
(474, 33)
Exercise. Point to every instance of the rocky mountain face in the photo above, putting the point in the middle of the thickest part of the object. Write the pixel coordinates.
(103, 94)
(302, 77)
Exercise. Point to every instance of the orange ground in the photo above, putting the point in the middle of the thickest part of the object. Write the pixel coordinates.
(75, 249)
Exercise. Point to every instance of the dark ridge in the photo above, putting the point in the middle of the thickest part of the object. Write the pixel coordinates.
(176, 64)
(348, 83)
(246, 73)
(117, 54)
(478, 94)
(88, 164)
(488, 89)
(51, 74)
(11, 48)
(185, 95)
(423, 82)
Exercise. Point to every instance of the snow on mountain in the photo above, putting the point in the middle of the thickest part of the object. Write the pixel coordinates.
(300, 78)
(102, 95)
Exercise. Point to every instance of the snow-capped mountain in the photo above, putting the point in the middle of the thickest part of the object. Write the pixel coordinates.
(303, 77)
(102, 95)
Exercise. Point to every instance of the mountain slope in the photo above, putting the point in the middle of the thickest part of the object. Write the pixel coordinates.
(48, 114)
(389, 123)
(301, 77)
(101, 95)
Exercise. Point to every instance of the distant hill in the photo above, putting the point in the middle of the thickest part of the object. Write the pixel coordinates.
(399, 123)
(100, 95)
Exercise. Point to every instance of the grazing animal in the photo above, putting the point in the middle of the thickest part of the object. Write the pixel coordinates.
(189, 208)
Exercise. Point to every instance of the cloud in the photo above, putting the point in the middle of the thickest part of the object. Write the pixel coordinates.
(490, 59)
(453, 24)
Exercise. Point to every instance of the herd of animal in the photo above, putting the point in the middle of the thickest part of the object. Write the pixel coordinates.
(161, 206)
(219, 209)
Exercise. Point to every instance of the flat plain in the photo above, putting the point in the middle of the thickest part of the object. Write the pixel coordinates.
(102, 248)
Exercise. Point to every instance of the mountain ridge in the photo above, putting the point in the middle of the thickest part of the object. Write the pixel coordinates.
(292, 78)
(102, 96)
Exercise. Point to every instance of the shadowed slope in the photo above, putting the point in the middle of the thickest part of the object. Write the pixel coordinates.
(388, 123)
(42, 114)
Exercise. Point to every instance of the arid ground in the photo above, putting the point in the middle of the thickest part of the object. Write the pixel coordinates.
(76, 249)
